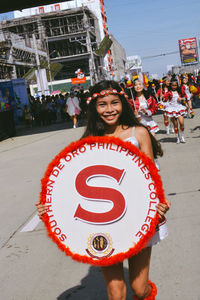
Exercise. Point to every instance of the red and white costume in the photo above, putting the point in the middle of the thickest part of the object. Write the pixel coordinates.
(185, 90)
(150, 105)
(174, 108)
(164, 91)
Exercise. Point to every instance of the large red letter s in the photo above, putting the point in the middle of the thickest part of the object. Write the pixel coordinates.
(100, 194)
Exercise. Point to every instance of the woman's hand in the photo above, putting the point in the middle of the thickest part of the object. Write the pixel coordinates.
(180, 99)
(143, 110)
(136, 114)
(42, 209)
(162, 208)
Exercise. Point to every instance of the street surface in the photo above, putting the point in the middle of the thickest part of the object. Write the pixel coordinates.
(33, 268)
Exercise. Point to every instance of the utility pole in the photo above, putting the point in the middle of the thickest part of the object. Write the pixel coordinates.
(38, 64)
(92, 67)
(49, 65)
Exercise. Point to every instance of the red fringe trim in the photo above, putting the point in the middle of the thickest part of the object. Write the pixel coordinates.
(154, 175)
(153, 294)
(153, 291)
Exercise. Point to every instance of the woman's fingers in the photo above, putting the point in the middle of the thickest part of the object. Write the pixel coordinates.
(168, 203)
(42, 209)
(162, 209)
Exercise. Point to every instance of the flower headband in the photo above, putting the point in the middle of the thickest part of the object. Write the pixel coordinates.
(106, 93)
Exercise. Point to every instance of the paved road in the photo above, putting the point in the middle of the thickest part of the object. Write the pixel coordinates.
(32, 267)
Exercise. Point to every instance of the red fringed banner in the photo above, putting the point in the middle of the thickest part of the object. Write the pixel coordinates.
(101, 194)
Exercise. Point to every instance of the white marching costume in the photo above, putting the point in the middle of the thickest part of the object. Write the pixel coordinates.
(147, 120)
(174, 108)
(150, 106)
(73, 107)
(187, 92)
(164, 104)
(161, 228)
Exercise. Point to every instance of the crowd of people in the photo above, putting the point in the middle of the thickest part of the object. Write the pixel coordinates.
(46, 110)
(173, 95)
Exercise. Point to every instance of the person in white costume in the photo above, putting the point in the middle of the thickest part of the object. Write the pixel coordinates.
(175, 110)
(73, 108)
(185, 90)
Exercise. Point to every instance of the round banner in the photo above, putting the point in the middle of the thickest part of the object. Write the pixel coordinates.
(101, 194)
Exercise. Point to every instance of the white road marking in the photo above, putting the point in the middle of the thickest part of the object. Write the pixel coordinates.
(31, 225)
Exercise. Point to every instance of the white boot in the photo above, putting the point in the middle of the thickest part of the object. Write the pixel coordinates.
(167, 129)
(182, 137)
(172, 128)
(178, 138)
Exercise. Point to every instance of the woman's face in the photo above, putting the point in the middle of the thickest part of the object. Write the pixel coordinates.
(138, 86)
(167, 82)
(174, 86)
(185, 80)
(109, 109)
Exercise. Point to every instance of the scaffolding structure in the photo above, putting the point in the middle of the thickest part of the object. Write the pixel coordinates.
(16, 57)
(61, 37)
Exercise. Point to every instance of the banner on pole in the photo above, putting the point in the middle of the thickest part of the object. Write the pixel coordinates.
(188, 51)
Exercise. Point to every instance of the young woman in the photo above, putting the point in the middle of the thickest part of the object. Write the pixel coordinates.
(145, 106)
(164, 88)
(109, 114)
(185, 91)
(175, 110)
(73, 108)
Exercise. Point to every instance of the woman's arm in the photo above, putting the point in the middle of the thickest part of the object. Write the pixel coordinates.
(167, 96)
(144, 141)
(152, 106)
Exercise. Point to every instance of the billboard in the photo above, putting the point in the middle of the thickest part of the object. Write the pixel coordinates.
(134, 63)
(188, 51)
(104, 46)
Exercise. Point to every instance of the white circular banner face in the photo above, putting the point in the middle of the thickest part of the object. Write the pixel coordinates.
(101, 195)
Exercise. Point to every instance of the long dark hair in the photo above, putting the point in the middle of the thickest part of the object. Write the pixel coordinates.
(146, 92)
(96, 126)
(174, 79)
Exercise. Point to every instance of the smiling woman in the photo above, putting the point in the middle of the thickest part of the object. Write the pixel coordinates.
(109, 108)
(109, 114)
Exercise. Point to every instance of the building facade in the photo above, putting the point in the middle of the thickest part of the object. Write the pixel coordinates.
(118, 59)
(69, 33)
(68, 38)
(95, 6)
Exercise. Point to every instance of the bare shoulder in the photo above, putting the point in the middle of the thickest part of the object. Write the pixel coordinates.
(144, 140)
(126, 132)
(141, 132)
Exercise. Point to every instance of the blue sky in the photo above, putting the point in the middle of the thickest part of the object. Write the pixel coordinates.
(151, 27)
